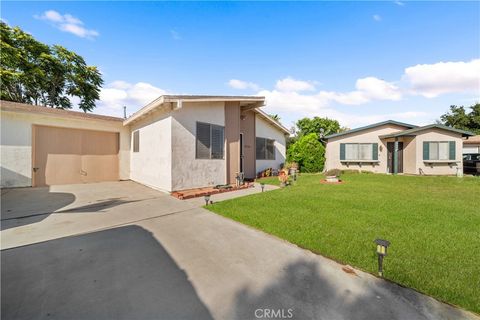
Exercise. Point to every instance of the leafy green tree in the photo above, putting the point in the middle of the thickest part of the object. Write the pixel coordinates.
(308, 152)
(461, 119)
(317, 125)
(35, 73)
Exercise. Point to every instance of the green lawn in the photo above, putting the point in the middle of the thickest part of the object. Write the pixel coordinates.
(433, 224)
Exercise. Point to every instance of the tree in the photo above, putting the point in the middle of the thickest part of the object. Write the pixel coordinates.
(460, 119)
(308, 152)
(317, 125)
(35, 73)
(275, 117)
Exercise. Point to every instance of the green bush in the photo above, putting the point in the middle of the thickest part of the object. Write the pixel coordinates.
(308, 152)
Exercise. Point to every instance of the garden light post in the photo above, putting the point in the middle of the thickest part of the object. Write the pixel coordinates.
(382, 246)
(262, 185)
(207, 199)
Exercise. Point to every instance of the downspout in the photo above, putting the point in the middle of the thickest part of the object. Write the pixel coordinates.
(395, 156)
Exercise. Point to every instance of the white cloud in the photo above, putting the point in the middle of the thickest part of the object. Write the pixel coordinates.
(377, 17)
(432, 80)
(117, 94)
(175, 34)
(239, 84)
(290, 84)
(400, 3)
(68, 23)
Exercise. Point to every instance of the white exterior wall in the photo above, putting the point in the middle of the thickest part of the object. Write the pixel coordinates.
(439, 168)
(152, 165)
(16, 143)
(264, 129)
(187, 171)
(471, 148)
(332, 153)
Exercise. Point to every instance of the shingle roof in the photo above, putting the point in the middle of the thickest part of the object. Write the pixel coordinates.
(406, 125)
(413, 131)
(28, 108)
(472, 140)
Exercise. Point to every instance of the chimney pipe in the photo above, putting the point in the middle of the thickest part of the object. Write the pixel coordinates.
(124, 112)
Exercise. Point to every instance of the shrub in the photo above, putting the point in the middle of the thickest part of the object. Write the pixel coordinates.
(308, 152)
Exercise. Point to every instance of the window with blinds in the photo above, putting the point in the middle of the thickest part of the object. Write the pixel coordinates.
(210, 141)
(136, 141)
(265, 149)
(438, 150)
(358, 151)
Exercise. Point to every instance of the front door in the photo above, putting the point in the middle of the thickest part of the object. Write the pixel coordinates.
(241, 152)
(390, 163)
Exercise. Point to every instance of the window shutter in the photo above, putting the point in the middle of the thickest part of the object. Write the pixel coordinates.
(203, 141)
(451, 150)
(217, 142)
(374, 151)
(342, 151)
(426, 150)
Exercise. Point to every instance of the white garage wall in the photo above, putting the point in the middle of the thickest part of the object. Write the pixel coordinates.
(264, 129)
(16, 143)
(152, 165)
(187, 171)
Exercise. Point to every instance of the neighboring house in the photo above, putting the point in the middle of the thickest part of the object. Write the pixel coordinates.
(471, 144)
(396, 147)
(173, 143)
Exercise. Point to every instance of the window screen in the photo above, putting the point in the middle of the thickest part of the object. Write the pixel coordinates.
(438, 151)
(260, 144)
(210, 141)
(136, 141)
(217, 142)
(265, 149)
(365, 151)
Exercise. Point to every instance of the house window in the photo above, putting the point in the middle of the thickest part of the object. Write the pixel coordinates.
(265, 149)
(358, 151)
(210, 141)
(439, 150)
(136, 141)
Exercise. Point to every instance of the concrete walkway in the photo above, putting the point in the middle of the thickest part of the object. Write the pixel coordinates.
(121, 250)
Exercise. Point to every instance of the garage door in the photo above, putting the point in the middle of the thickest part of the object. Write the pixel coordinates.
(66, 156)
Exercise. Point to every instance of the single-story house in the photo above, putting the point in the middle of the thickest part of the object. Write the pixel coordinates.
(176, 142)
(471, 144)
(396, 147)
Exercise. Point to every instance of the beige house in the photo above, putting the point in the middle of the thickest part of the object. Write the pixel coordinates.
(471, 144)
(396, 147)
(173, 143)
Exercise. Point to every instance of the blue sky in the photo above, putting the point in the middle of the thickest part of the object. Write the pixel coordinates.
(357, 62)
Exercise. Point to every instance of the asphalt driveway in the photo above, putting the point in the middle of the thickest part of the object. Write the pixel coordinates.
(121, 250)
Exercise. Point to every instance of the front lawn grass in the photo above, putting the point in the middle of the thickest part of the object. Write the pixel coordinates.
(433, 224)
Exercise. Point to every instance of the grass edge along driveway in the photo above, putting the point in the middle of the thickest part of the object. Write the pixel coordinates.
(433, 224)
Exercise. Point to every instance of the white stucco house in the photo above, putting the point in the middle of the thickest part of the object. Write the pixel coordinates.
(173, 143)
(397, 147)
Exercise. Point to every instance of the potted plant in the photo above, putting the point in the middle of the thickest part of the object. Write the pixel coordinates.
(283, 177)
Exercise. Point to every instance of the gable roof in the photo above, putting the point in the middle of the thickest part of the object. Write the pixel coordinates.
(29, 108)
(413, 131)
(378, 124)
(178, 99)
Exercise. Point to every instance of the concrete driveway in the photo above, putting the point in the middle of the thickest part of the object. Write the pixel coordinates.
(121, 250)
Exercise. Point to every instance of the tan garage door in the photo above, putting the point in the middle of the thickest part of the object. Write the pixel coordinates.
(65, 156)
